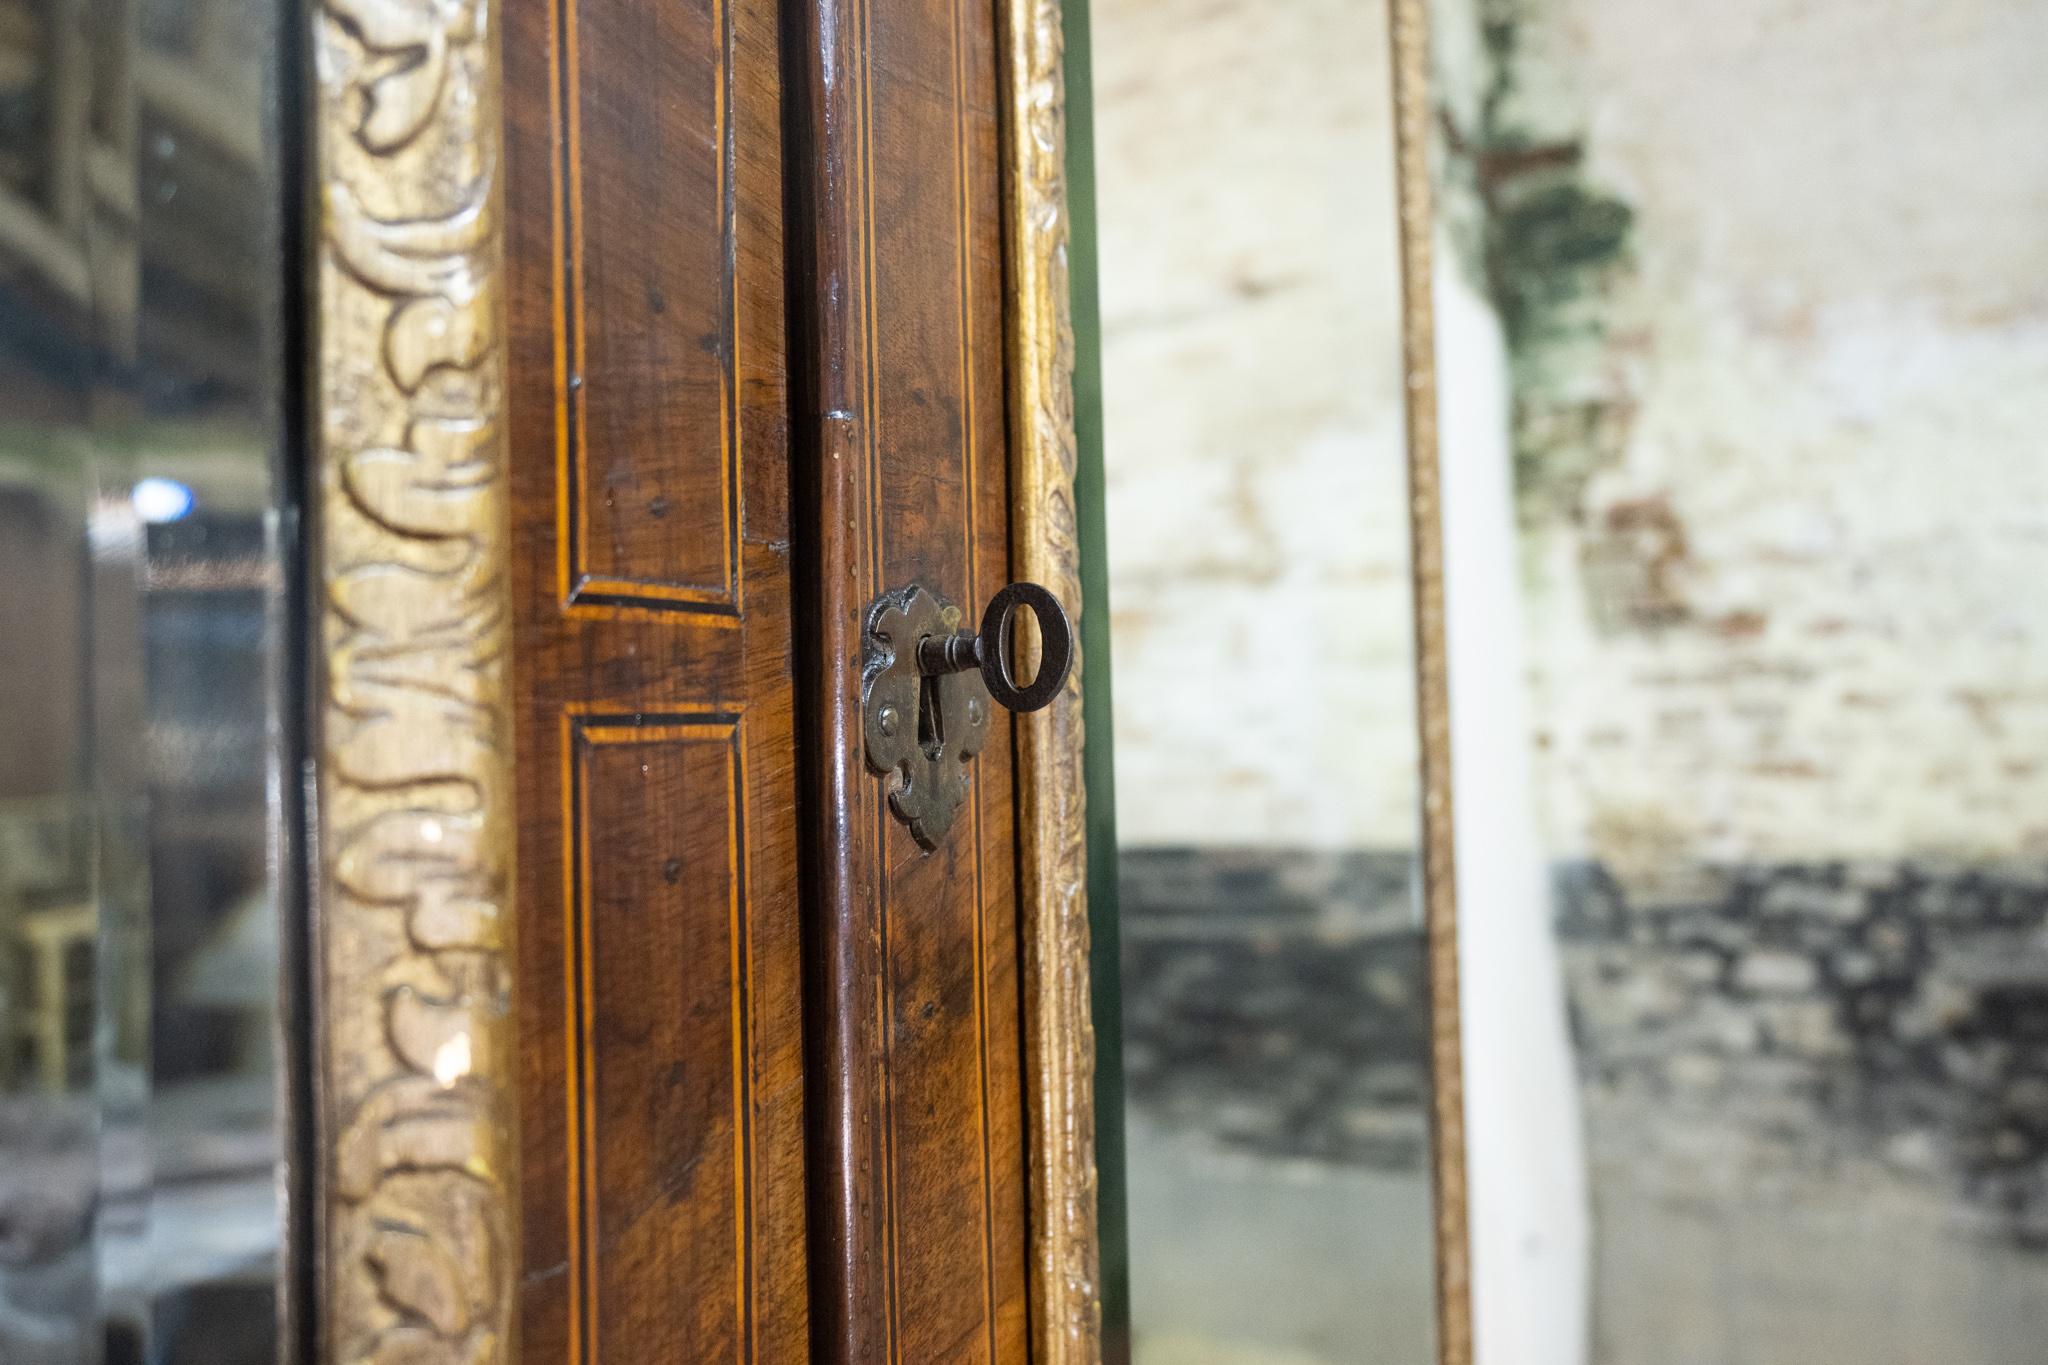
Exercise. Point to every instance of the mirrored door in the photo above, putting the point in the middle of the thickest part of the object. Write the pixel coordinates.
(1274, 1001)
(143, 747)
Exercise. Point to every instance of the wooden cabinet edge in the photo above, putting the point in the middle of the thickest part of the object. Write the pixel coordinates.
(1059, 1045)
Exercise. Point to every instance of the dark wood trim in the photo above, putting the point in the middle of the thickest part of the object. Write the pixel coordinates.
(831, 453)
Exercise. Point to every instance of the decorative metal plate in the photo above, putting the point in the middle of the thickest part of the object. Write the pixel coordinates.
(924, 729)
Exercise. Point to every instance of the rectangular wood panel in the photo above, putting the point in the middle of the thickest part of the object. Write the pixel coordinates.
(952, 1086)
(658, 1017)
(646, 342)
(660, 962)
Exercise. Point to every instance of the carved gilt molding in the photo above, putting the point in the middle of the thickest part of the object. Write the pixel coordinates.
(1410, 45)
(1059, 1032)
(416, 1067)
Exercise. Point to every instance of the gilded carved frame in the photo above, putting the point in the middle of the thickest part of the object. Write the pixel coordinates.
(1409, 27)
(415, 1062)
(1059, 1062)
(415, 1066)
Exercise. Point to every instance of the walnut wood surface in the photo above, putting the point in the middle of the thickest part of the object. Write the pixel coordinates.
(658, 573)
(661, 1022)
(917, 1165)
(717, 925)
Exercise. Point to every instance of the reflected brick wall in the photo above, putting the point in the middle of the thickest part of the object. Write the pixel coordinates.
(1815, 1016)
(1273, 1001)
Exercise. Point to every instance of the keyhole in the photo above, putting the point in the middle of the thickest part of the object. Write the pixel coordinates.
(931, 728)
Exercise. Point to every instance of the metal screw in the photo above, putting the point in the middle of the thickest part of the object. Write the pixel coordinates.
(886, 721)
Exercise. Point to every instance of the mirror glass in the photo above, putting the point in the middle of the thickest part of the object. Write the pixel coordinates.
(1743, 325)
(141, 606)
(1273, 1006)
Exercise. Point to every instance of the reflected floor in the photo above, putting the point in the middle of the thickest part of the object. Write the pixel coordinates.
(1792, 1265)
(187, 1229)
(1249, 1260)
(1275, 1056)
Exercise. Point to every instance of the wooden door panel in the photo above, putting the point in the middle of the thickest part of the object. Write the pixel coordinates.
(661, 1030)
(657, 920)
(917, 1156)
(650, 498)
(947, 918)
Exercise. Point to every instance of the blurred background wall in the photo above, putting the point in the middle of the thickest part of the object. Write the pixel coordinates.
(1256, 495)
(1743, 327)
(1768, 281)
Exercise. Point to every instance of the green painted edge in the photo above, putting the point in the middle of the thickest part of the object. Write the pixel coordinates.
(1098, 762)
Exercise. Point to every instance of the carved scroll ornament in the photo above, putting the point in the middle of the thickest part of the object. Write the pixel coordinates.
(415, 1065)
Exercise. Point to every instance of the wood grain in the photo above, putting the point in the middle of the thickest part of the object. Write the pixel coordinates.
(662, 1034)
(622, 380)
(917, 1163)
(649, 307)
(656, 921)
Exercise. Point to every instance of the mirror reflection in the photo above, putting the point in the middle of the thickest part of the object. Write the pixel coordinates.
(1745, 363)
(140, 598)
(1275, 1018)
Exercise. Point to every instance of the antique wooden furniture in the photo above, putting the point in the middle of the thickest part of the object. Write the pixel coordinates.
(643, 367)
(644, 357)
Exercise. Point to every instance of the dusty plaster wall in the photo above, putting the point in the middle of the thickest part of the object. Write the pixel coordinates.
(1257, 543)
(1773, 284)
(1776, 289)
